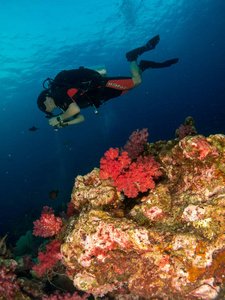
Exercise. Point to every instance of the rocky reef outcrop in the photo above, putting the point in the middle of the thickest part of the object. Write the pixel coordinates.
(166, 243)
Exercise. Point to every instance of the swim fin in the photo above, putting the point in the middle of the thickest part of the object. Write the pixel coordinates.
(153, 42)
(134, 54)
(147, 64)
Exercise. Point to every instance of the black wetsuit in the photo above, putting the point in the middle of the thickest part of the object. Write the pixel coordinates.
(87, 87)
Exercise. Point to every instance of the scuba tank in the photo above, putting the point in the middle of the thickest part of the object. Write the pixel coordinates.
(101, 69)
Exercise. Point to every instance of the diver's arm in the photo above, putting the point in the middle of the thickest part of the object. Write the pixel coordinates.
(77, 120)
(71, 111)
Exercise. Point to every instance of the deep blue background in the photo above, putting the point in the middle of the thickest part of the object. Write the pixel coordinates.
(40, 38)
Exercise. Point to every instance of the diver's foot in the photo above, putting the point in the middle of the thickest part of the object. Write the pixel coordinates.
(134, 54)
(147, 64)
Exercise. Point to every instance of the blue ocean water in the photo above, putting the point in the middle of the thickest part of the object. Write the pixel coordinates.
(41, 38)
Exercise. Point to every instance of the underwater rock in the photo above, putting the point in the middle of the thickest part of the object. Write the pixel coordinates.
(91, 191)
(168, 243)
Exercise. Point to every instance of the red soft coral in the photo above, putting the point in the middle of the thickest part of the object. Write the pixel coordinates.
(131, 178)
(113, 164)
(48, 259)
(48, 225)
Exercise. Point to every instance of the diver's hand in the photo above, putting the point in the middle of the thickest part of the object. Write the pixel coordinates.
(63, 124)
(60, 125)
(53, 121)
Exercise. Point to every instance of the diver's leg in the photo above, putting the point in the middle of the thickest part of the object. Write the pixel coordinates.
(134, 54)
(147, 64)
(136, 73)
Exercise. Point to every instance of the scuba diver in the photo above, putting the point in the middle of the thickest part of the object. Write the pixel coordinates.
(73, 90)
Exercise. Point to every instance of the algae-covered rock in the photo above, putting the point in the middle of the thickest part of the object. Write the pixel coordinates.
(168, 243)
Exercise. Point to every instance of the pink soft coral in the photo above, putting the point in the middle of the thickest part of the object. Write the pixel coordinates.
(185, 130)
(48, 259)
(48, 225)
(136, 142)
(70, 209)
(65, 296)
(8, 284)
(131, 178)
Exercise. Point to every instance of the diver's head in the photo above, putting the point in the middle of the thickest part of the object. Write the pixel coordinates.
(46, 103)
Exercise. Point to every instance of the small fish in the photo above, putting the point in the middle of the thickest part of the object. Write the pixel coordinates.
(33, 128)
(53, 194)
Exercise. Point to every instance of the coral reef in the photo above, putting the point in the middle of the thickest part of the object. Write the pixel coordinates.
(166, 243)
(127, 237)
